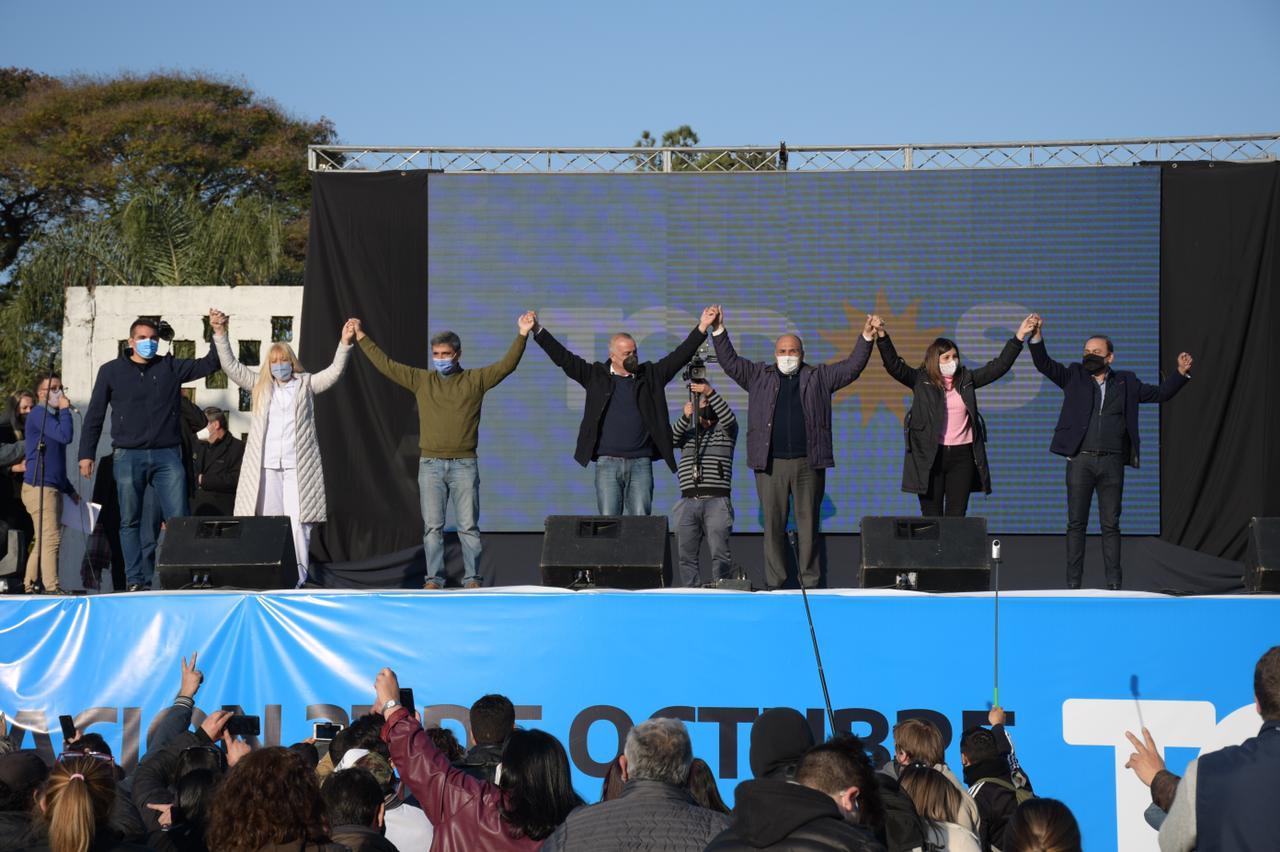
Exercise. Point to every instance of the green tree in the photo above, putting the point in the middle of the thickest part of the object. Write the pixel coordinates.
(84, 146)
(710, 160)
(156, 240)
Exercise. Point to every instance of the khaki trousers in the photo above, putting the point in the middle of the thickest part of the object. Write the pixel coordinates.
(48, 539)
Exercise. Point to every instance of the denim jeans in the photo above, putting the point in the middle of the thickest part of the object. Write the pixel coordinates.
(443, 483)
(624, 486)
(137, 472)
(695, 517)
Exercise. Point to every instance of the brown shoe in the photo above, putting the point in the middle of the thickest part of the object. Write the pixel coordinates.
(432, 586)
(471, 584)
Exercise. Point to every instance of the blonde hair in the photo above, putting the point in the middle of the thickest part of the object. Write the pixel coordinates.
(77, 800)
(262, 387)
(919, 740)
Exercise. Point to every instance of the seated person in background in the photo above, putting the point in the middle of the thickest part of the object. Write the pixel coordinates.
(938, 802)
(832, 804)
(353, 801)
(217, 467)
(654, 811)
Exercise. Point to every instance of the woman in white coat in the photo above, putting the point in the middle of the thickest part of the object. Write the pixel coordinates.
(281, 472)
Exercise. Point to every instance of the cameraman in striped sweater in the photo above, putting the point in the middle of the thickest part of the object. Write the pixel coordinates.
(706, 476)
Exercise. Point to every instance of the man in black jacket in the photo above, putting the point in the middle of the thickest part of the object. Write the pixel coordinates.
(834, 794)
(217, 467)
(492, 718)
(989, 772)
(143, 391)
(624, 421)
(1098, 433)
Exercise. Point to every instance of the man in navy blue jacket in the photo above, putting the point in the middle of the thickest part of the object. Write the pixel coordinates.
(1098, 433)
(143, 392)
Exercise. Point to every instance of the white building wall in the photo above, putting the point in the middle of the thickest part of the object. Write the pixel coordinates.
(97, 320)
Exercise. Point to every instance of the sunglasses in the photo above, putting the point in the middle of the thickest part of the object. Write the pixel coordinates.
(76, 755)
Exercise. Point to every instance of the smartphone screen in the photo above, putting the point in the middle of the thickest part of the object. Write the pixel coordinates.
(325, 731)
(406, 700)
(68, 728)
(244, 726)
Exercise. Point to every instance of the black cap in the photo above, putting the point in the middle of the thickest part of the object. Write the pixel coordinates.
(779, 738)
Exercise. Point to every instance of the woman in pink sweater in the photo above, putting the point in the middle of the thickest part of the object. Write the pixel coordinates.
(946, 453)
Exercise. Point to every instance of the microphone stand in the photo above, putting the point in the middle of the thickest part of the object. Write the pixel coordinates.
(39, 475)
(793, 540)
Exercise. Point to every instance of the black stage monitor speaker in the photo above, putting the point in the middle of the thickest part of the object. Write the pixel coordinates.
(237, 553)
(613, 551)
(928, 554)
(1262, 559)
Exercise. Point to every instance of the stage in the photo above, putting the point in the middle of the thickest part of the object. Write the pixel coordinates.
(1076, 669)
(1030, 562)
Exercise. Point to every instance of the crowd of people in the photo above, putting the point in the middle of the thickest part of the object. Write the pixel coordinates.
(385, 783)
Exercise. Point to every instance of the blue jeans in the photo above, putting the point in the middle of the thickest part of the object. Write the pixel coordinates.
(443, 483)
(696, 517)
(624, 486)
(136, 472)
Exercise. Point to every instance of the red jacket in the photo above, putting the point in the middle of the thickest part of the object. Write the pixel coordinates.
(465, 811)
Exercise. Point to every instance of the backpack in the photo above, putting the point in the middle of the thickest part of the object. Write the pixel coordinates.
(1020, 794)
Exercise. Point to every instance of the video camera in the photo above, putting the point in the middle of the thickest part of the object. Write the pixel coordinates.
(697, 369)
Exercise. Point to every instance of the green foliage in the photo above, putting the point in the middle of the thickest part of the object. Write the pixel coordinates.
(710, 160)
(160, 179)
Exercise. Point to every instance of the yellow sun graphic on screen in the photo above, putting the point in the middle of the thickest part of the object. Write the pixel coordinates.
(875, 388)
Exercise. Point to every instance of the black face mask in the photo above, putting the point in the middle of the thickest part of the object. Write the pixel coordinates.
(1093, 364)
(631, 363)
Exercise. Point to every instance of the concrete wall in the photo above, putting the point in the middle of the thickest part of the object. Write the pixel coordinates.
(96, 321)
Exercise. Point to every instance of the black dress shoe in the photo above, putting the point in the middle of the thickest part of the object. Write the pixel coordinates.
(136, 587)
(1115, 587)
(1071, 585)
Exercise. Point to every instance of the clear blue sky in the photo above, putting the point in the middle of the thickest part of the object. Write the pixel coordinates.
(561, 73)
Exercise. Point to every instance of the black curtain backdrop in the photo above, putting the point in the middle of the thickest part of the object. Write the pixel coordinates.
(1220, 268)
(1219, 274)
(367, 258)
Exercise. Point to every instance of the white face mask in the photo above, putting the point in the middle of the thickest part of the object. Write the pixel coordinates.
(949, 368)
(203, 434)
(788, 364)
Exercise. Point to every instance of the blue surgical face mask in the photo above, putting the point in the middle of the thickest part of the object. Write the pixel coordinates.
(145, 348)
(282, 370)
(445, 365)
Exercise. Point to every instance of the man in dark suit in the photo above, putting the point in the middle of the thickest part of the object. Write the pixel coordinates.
(217, 467)
(1098, 433)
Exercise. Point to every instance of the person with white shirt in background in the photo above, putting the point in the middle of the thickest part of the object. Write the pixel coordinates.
(281, 473)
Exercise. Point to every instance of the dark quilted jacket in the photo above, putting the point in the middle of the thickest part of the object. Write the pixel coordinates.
(648, 816)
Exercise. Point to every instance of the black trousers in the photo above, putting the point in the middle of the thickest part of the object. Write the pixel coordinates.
(950, 480)
(1087, 474)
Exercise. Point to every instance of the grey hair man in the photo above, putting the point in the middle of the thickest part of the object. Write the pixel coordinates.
(654, 811)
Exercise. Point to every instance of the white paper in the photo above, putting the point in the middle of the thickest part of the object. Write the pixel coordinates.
(80, 516)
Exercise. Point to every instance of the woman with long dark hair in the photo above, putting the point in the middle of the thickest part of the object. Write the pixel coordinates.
(946, 452)
(533, 794)
(702, 786)
(1042, 825)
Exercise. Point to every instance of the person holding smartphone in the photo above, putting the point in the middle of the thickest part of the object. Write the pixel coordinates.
(48, 431)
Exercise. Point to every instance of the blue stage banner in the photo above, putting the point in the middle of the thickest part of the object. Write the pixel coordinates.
(1076, 671)
(959, 254)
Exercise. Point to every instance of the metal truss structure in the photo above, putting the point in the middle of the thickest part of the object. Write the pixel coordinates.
(807, 158)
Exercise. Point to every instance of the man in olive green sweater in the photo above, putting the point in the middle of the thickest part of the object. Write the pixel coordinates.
(449, 400)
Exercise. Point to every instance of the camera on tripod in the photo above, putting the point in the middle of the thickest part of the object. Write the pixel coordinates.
(696, 371)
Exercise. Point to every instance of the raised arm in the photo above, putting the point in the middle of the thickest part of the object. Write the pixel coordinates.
(843, 373)
(499, 370)
(742, 371)
(573, 365)
(999, 365)
(893, 363)
(669, 365)
(1170, 386)
(188, 369)
(328, 377)
(1051, 369)
(402, 374)
(237, 372)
